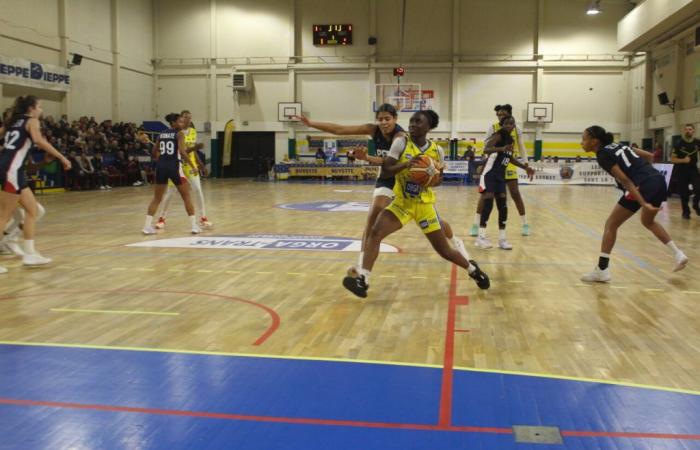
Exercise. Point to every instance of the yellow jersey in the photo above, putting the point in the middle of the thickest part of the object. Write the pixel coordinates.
(406, 189)
(190, 141)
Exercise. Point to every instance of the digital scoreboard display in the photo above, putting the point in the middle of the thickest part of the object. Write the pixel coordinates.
(333, 34)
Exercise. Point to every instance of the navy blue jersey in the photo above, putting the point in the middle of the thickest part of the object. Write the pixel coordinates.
(497, 162)
(167, 146)
(382, 144)
(16, 145)
(636, 168)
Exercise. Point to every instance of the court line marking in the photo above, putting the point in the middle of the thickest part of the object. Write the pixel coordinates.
(352, 361)
(113, 311)
(274, 317)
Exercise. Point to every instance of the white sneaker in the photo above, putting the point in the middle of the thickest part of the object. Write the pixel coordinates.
(681, 261)
(108, 186)
(102, 188)
(148, 230)
(504, 244)
(196, 229)
(137, 183)
(3, 270)
(15, 248)
(459, 246)
(482, 242)
(205, 223)
(597, 275)
(35, 260)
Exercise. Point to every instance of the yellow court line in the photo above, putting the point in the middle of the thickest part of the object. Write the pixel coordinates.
(653, 290)
(113, 311)
(204, 271)
(118, 268)
(295, 273)
(691, 292)
(359, 361)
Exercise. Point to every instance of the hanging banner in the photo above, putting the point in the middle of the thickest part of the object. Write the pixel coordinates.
(589, 173)
(456, 167)
(28, 73)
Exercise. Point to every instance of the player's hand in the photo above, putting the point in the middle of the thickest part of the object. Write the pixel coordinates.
(650, 207)
(360, 153)
(66, 164)
(204, 172)
(415, 160)
(508, 148)
(305, 120)
(530, 172)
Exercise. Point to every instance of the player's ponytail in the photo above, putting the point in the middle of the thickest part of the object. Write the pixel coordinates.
(21, 107)
(598, 132)
(172, 118)
(432, 116)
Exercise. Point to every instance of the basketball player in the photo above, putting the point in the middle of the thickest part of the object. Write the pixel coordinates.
(9, 244)
(499, 151)
(511, 171)
(170, 152)
(411, 202)
(192, 174)
(21, 132)
(383, 133)
(685, 163)
(644, 187)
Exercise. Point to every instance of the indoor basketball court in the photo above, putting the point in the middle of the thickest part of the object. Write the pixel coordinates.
(241, 334)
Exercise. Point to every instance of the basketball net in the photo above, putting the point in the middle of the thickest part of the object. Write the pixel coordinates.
(404, 97)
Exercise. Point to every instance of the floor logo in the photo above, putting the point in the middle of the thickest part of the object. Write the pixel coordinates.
(329, 206)
(264, 242)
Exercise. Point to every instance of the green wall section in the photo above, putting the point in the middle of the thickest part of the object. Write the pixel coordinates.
(292, 148)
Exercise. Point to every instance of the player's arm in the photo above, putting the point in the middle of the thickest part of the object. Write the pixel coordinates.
(530, 171)
(335, 128)
(631, 188)
(41, 142)
(182, 149)
(2, 132)
(491, 145)
(676, 160)
(391, 165)
(361, 154)
(155, 151)
(647, 156)
(521, 146)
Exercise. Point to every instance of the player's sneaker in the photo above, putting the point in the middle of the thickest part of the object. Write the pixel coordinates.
(504, 244)
(35, 260)
(681, 261)
(526, 230)
(160, 225)
(148, 230)
(356, 285)
(482, 280)
(474, 230)
(196, 229)
(204, 222)
(597, 276)
(482, 242)
(15, 248)
(3, 270)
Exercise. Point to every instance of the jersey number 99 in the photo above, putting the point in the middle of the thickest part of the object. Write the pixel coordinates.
(167, 147)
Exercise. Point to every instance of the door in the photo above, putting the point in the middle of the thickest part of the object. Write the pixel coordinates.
(252, 154)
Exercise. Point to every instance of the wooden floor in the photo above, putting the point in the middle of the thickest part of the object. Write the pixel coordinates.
(537, 317)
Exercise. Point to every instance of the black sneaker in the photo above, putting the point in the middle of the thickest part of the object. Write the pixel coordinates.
(356, 285)
(697, 210)
(686, 215)
(482, 280)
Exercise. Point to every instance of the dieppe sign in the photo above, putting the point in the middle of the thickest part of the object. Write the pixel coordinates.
(27, 73)
(264, 242)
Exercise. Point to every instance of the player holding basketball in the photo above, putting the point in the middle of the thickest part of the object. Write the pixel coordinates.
(192, 174)
(644, 187)
(499, 151)
(412, 202)
(383, 133)
(511, 171)
(22, 132)
(170, 151)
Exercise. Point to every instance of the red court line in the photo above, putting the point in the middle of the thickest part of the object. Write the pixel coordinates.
(249, 418)
(445, 410)
(274, 317)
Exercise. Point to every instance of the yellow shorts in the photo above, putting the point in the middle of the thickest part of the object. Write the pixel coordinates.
(423, 214)
(511, 172)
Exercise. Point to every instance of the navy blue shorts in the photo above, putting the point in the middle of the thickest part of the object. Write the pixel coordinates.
(653, 190)
(170, 171)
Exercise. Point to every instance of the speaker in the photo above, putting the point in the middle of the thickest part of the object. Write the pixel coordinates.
(697, 37)
(663, 98)
(77, 59)
(373, 40)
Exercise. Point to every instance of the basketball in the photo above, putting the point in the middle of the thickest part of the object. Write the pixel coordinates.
(425, 171)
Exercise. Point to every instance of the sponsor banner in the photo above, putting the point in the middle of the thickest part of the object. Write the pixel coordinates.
(329, 206)
(364, 171)
(28, 73)
(456, 167)
(264, 242)
(588, 173)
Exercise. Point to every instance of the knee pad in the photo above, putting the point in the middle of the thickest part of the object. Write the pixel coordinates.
(502, 206)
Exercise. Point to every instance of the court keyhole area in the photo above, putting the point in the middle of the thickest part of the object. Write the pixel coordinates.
(243, 336)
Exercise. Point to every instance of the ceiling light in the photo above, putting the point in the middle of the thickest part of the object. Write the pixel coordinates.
(593, 8)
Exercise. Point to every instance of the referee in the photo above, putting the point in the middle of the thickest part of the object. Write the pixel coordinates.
(685, 160)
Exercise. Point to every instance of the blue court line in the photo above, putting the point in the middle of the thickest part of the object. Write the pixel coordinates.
(585, 229)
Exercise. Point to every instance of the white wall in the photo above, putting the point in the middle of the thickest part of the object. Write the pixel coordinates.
(30, 29)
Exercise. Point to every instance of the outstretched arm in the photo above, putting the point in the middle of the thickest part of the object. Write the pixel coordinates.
(335, 128)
